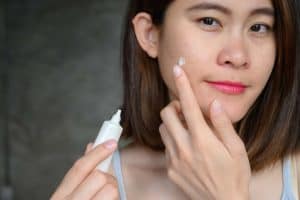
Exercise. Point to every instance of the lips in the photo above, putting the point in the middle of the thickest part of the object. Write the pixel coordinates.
(228, 87)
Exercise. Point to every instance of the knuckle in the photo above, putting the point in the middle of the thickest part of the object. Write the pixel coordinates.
(200, 145)
(240, 150)
(183, 156)
(171, 173)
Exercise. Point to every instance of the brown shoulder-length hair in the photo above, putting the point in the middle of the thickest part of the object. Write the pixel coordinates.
(270, 129)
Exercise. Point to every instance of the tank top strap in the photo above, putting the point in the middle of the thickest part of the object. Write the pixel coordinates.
(295, 170)
(118, 173)
(287, 193)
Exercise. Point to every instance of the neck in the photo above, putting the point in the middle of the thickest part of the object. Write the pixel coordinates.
(145, 157)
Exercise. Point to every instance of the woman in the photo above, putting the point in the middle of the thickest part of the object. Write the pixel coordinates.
(222, 126)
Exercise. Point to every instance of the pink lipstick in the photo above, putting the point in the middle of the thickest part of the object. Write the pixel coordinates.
(228, 87)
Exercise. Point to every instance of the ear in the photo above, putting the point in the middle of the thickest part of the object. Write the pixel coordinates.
(146, 33)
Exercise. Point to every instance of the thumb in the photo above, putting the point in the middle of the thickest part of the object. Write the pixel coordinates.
(224, 129)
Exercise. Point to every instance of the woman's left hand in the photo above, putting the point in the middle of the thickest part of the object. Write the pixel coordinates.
(205, 161)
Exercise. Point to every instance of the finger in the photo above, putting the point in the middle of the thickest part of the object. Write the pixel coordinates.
(173, 123)
(168, 141)
(89, 147)
(168, 158)
(111, 179)
(190, 107)
(108, 192)
(84, 166)
(225, 130)
(90, 186)
(185, 185)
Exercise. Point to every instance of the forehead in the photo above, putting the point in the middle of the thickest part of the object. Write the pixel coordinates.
(227, 2)
(232, 5)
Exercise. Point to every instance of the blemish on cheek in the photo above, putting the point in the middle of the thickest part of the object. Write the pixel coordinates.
(181, 61)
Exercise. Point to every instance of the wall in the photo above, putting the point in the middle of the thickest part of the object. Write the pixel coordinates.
(64, 80)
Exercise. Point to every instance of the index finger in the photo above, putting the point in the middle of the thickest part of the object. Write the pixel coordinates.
(190, 107)
(84, 166)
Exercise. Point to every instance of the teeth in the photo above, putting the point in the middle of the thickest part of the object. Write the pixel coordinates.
(181, 61)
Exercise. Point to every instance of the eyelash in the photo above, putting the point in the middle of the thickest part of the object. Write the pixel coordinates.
(203, 22)
(213, 27)
(267, 28)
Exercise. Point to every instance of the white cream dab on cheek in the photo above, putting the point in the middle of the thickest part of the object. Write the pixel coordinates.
(181, 61)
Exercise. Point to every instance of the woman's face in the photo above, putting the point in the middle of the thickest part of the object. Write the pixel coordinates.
(229, 48)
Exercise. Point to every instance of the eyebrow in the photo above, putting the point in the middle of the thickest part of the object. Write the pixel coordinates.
(263, 11)
(213, 6)
(209, 6)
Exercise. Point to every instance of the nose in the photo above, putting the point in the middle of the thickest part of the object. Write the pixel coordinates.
(234, 54)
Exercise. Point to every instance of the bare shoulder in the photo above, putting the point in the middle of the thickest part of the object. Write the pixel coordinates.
(297, 163)
(297, 158)
(297, 155)
(126, 155)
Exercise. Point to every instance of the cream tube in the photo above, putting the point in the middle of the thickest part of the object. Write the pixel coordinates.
(110, 130)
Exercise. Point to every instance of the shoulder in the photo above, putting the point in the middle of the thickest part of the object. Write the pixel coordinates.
(297, 161)
(297, 170)
(297, 157)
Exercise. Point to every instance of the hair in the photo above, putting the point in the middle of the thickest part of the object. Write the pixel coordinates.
(270, 129)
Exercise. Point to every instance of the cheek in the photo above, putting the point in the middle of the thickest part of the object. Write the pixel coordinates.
(193, 49)
(170, 49)
(263, 64)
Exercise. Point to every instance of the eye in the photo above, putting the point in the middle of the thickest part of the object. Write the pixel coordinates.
(260, 28)
(209, 23)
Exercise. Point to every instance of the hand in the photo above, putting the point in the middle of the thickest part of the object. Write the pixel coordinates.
(83, 181)
(207, 162)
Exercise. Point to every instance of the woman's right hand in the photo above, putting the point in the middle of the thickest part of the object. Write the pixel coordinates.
(83, 181)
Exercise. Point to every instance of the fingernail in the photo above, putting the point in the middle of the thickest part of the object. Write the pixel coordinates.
(177, 71)
(216, 107)
(90, 145)
(111, 144)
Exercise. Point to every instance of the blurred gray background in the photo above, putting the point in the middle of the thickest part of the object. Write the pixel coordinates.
(60, 79)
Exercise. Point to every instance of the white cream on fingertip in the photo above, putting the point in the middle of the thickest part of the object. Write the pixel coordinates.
(181, 61)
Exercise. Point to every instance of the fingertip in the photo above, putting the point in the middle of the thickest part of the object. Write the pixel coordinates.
(88, 148)
(216, 107)
(110, 144)
(217, 114)
(177, 70)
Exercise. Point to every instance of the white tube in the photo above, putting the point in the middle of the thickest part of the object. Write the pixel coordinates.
(110, 130)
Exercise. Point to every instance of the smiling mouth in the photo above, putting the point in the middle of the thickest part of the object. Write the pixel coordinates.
(228, 87)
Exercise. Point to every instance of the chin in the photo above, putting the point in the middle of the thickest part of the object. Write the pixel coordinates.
(235, 114)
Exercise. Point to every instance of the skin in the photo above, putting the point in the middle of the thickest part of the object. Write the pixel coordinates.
(235, 53)
(217, 151)
(204, 157)
(200, 118)
(82, 181)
